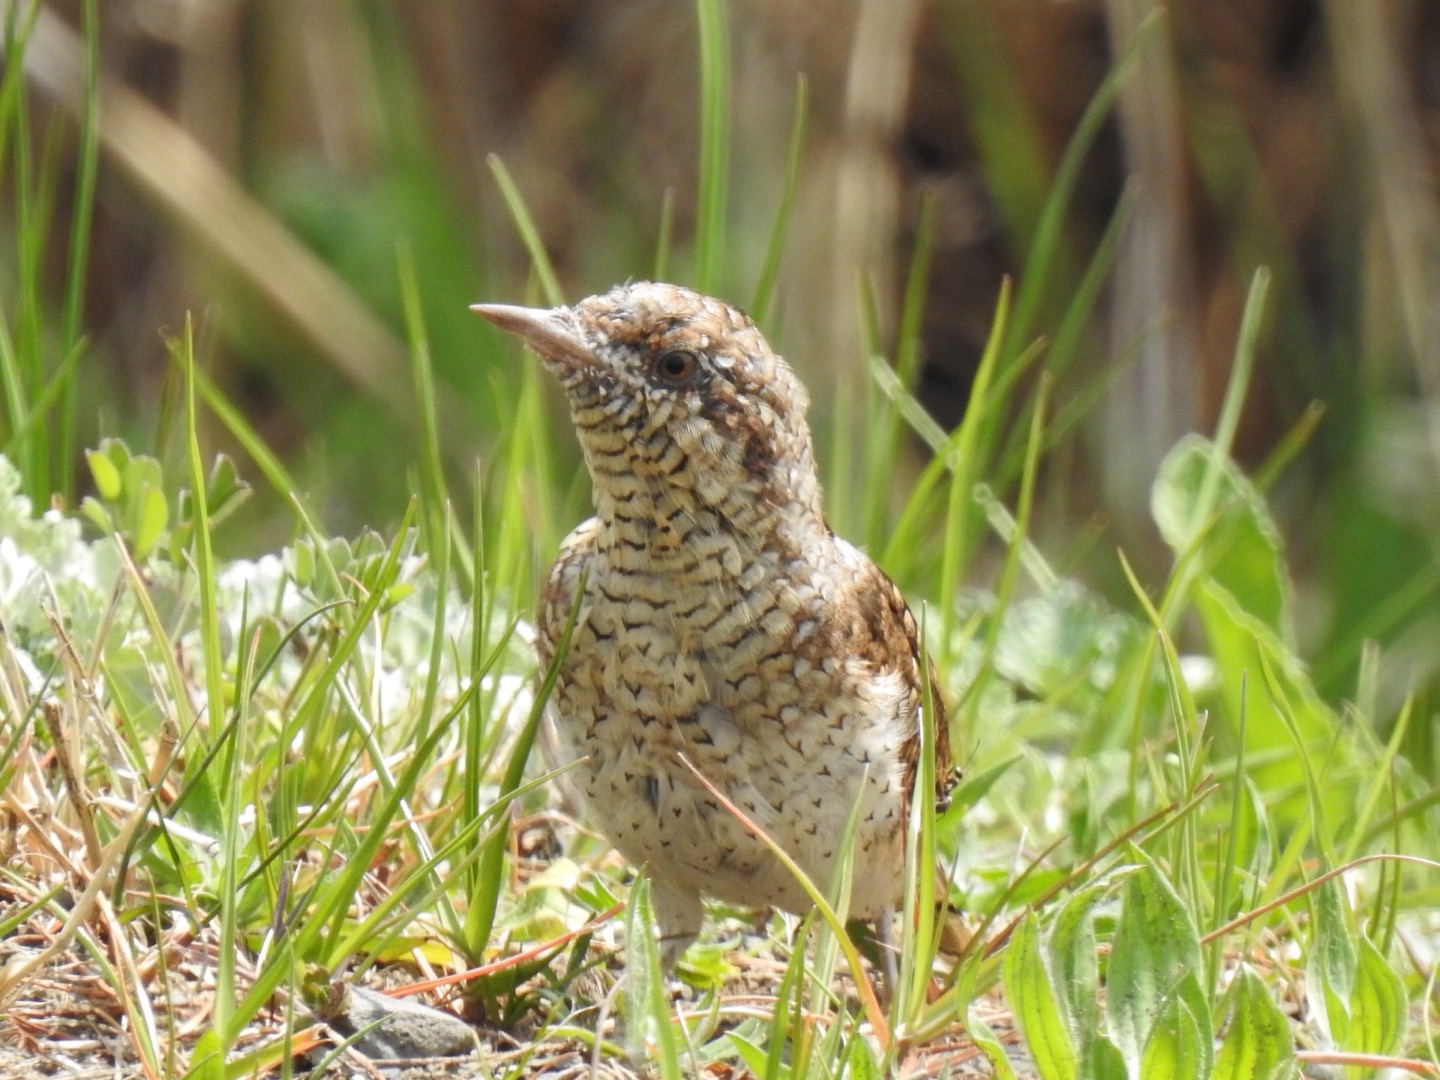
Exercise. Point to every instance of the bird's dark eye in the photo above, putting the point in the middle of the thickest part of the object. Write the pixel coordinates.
(676, 366)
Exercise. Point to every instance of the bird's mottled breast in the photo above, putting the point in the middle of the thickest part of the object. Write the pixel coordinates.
(776, 655)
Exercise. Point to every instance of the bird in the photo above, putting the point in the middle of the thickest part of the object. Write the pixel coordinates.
(719, 621)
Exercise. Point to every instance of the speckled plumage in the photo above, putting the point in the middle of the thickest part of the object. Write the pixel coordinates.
(721, 617)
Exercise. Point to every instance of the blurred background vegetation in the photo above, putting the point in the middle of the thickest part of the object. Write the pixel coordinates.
(264, 163)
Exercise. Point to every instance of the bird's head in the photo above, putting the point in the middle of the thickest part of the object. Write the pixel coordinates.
(675, 389)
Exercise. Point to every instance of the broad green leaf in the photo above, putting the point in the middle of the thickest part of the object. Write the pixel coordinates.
(1258, 1044)
(1155, 948)
(1073, 962)
(1103, 1060)
(95, 510)
(118, 455)
(1377, 1005)
(860, 1060)
(1044, 640)
(1242, 594)
(139, 474)
(1032, 997)
(1179, 1040)
(152, 516)
(1331, 965)
(1241, 553)
(207, 1062)
(300, 558)
(1197, 1004)
(105, 474)
(1242, 644)
(990, 1046)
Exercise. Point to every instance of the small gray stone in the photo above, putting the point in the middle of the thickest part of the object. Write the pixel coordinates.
(399, 1028)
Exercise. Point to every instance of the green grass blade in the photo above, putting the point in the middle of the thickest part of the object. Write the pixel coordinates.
(664, 237)
(213, 658)
(204, 556)
(82, 216)
(710, 211)
(1015, 549)
(1228, 865)
(20, 422)
(885, 436)
(787, 999)
(965, 470)
(484, 903)
(529, 234)
(1047, 247)
(26, 417)
(1076, 325)
(270, 466)
(923, 903)
(433, 490)
(775, 250)
(1238, 384)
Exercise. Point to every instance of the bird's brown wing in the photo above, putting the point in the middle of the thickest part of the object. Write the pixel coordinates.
(557, 598)
(883, 632)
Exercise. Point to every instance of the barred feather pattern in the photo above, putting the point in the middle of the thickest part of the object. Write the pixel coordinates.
(721, 618)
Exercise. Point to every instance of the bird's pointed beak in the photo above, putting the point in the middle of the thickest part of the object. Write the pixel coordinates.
(546, 330)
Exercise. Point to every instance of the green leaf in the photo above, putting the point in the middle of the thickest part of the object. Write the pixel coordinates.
(1331, 965)
(1155, 949)
(990, 1046)
(1258, 1045)
(860, 1060)
(1219, 526)
(105, 474)
(711, 221)
(1103, 1060)
(1032, 996)
(118, 454)
(1377, 1005)
(753, 1057)
(648, 1032)
(1043, 641)
(95, 510)
(153, 514)
(395, 594)
(1179, 1039)
(1073, 961)
(1240, 643)
(224, 490)
(1241, 553)
(300, 559)
(208, 1060)
(1197, 1003)
(139, 473)
(1254, 844)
